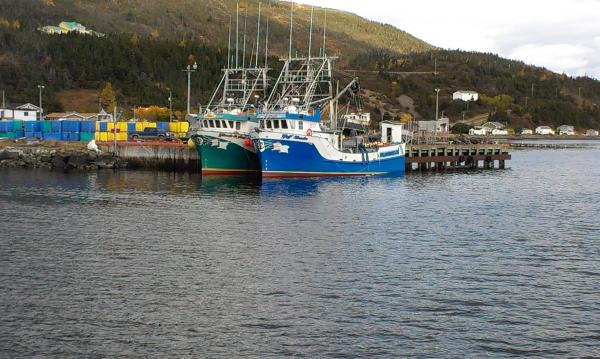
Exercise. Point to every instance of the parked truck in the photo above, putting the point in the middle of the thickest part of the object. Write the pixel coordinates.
(151, 133)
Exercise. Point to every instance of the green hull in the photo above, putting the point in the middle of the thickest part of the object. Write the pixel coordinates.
(222, 155)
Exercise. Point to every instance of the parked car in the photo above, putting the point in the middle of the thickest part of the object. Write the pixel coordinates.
(151, 133)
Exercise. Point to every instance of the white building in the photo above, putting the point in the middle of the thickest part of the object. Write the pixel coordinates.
(526, 131)
(591, 132)
(566, 130)
(465, 96)
(478, 131)
(544, 130)
(499, 132)
(26, 112)
(440, 126)
(391, 132)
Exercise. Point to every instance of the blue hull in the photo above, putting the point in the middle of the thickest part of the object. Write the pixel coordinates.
(304, 160)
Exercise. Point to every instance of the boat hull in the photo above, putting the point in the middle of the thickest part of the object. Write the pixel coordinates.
(226, 155)
(309, 157)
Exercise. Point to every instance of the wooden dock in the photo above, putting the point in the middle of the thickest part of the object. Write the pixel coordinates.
(441, 157)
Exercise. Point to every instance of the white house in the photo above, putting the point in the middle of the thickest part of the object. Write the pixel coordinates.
(591, 132)
(440, 126)
(465, 96)
(526, 131)
(391, 132)
(499, 132)
(478, 131)
(544, 130)
(566, 130)
(26, 112)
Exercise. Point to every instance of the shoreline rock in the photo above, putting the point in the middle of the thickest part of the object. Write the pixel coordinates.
(58, 159)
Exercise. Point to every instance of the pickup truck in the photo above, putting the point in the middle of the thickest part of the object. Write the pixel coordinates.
(151, 133)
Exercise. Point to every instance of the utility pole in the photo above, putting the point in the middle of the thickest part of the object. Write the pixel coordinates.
(115, 127)
(170, 106)
(40, 88)
(532, 87)
(189, 69)
(3, 99)
(437, 108)
(435, 67)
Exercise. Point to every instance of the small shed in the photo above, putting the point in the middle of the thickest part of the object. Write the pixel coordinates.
(391, 132)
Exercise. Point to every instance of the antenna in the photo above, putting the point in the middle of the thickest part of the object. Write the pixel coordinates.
(229, 45)
(291, 29)
(312, 10)
(324, 32)
(257, 36)
(244, 47)
(237, 30)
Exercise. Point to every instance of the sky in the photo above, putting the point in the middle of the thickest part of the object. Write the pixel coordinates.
(561, 35)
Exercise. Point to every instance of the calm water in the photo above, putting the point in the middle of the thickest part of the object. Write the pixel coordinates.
(143, 264)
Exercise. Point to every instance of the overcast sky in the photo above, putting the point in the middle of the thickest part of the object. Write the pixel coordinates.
(562, 35)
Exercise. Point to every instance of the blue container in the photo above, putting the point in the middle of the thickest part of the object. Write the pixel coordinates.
(52, 136)
(10, 126)
(29, 134)
(71, 126)
(4, 126)
(130, 127)
(19, 134)
(32, 126)
(163, 125)
(64, 136)
(88, 126)
(56, 126)
(74, 136)
(103, 126)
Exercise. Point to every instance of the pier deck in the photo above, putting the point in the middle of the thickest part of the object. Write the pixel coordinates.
(447, 156)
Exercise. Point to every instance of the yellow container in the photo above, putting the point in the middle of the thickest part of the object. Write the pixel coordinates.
(110, 126)
(97, 126)
(174, 127)
(184, 127)
(139, 126)
(122, 126)
(122, 136)
(97, 134)
(103, 136)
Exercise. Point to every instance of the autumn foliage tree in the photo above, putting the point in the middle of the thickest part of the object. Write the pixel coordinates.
(152, 113)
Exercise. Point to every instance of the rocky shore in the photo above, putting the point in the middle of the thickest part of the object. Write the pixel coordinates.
(56, 157)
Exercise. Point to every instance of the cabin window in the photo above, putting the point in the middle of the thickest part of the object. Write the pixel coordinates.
(261, 124)
(224, 124)
(238, 125)
(284, 124)
(300, 125)
(205, 123)
(231, 124)
(275, 123)
(268, 124)
(25, 113)
(211, 123)
(217, 123)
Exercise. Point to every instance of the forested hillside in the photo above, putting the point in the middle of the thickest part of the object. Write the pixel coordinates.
(511, 91)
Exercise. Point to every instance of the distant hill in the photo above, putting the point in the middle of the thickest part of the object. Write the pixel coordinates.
(207, 22)
(512, 92)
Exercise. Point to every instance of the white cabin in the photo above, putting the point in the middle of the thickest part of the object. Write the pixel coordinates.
(465, 96)
(527, 131)
(26, 112)
(591, 132)
(566, 130)
(544, 130)
(391, 132)
(478, 131)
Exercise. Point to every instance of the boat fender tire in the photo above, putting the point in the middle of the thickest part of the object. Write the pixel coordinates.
(309, 132)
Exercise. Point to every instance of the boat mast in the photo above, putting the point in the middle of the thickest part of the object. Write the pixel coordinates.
(229, 45)
(258, 36)
(291, 30)
(324, 32)
(237, 31)
(267, 41)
